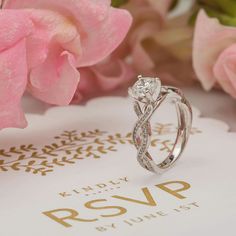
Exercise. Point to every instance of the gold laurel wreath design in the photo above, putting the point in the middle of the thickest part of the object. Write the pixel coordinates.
(71, 146)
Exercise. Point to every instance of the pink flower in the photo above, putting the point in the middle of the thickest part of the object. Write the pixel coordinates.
(154, 46)
(103, 77)
(13, 67)
(149, 17)
(157, 45)
(44, 42)
(214, 54)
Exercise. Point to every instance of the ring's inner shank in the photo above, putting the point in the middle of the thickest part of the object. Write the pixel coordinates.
(184, 115)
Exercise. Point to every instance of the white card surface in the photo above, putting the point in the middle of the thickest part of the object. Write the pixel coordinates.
(73, 172)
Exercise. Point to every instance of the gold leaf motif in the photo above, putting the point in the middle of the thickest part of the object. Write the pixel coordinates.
(71, 146)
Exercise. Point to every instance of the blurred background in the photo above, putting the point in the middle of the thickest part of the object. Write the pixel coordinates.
(190, 44)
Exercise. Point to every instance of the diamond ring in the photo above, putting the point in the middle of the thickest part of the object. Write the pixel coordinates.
(148, 95)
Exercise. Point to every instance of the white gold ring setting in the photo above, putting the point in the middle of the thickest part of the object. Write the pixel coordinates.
(148, 94)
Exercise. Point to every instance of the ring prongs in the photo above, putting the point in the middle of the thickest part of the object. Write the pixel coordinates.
(146, 89)
(140, 76)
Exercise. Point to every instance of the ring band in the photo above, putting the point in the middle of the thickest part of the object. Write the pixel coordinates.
(148, 95)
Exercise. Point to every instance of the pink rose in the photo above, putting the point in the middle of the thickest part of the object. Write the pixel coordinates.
(43, 45)
(214, 54)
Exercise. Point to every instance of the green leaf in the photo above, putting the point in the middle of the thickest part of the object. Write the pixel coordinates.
(216, 12)
(227, 7)
(118, 3)
(223, 18)
(223, 10)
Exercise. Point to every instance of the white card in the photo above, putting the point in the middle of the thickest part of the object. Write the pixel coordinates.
(74, 171)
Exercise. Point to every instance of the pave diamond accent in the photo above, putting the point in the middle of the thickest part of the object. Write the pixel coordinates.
(148, 95)
(145, 85)
(146, 90)
(141, 136)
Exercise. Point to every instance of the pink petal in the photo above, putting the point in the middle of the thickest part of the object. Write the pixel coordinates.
(145, 10)
(14, 26)
(87, 86)
(210, 39)
(37, 48)
(104, 40)
(101, 27)
(225, 70)
(113, 74)
(79, 9)
(161, 6)
(149, 16)
(13, 80)
(141, 59)
(102, 77)
(56, 80)
(50, 26)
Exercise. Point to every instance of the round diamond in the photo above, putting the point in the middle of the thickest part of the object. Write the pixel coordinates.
(145, 85)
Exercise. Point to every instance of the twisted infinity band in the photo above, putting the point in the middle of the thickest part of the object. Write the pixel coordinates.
(148, 95)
